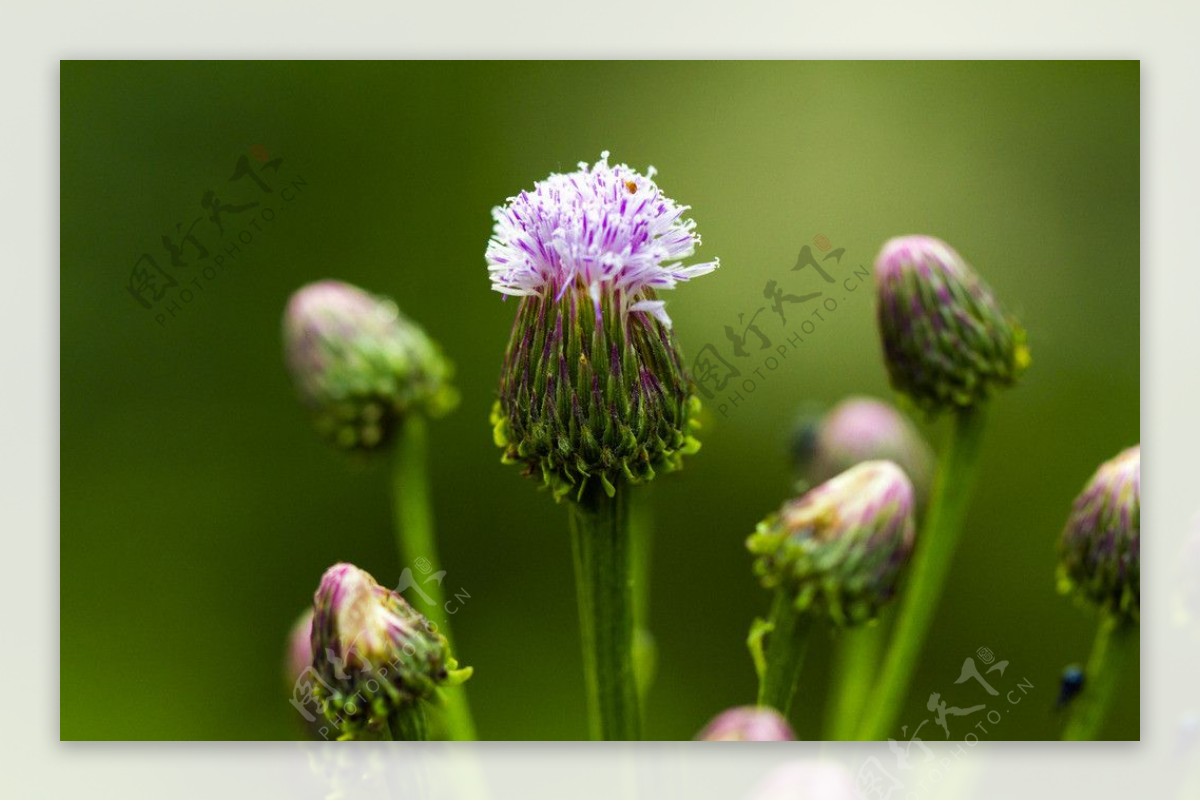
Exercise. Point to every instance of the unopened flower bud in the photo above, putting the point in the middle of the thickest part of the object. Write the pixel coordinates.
(863, 430)
(1100, 549)
(360, 366)
(373, 652)
(593, 389)
(749, 724)
(839, 548)
(947, 342)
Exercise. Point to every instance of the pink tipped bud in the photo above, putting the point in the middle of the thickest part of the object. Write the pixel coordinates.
(748, 723)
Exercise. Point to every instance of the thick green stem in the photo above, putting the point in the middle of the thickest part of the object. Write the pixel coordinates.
(416, 542)
(786, 643)
(931, 564)
(408, 722)
(1114, 646)
(855, 660)
(603, 582)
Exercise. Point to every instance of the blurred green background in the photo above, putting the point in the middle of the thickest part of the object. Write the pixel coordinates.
(199, 509)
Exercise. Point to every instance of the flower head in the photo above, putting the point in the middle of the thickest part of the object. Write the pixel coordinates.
(862, 430)
(360, 365)
(373, 652)
(748, 724)
(609, 231)
(593, 390)
(947, 342)
(840, 547)
(1100, 549)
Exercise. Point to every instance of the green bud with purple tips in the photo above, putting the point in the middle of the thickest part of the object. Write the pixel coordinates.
(1100, 548)
(360, 366)
(839, 549)
(947, 342)
(377, 658)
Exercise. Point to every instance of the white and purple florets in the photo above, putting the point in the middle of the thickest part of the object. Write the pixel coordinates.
(608, 230)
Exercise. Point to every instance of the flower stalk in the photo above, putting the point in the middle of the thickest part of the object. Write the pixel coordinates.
(1115, 647)
(408, 723)
(930, 566)
(787, 633)
(415, 540)
(603, 581)
(856, 655)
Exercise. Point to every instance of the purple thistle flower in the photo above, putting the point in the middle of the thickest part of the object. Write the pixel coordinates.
(759, 724)
(593, 390)
(1100, 549)
(841, 546)
(607, 230)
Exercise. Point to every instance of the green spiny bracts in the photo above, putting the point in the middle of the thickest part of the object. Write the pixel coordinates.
(947, 342)
(1100, 549)
(360, 366)
(593, 395)
(839, 549)
(374, 654)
